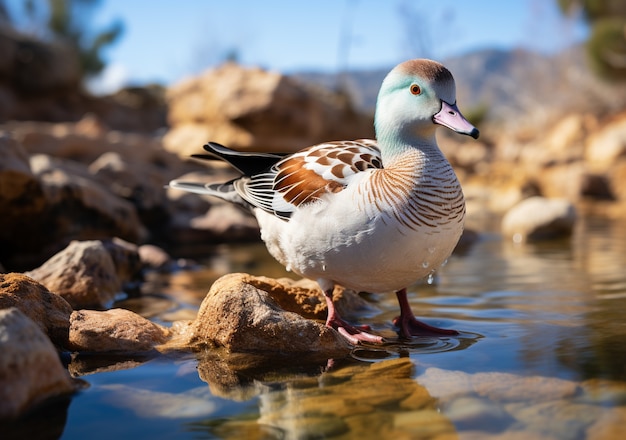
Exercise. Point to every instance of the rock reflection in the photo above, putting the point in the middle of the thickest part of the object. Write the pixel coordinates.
(44, 422)
(349, 399)
(82, 364)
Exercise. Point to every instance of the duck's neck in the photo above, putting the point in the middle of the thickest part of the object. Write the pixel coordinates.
(396, 145)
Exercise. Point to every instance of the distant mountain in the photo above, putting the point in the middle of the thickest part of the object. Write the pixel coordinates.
(514, 85)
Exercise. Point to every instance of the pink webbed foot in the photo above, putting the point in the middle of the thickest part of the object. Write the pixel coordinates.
(353, 334)
(412, 326)
(409, 325)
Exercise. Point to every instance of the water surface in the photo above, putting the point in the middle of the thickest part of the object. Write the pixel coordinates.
(541, 354)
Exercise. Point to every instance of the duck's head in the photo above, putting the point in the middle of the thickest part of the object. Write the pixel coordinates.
(415, 97)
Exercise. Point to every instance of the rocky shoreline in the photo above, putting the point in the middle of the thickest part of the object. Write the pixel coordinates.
(86, 216)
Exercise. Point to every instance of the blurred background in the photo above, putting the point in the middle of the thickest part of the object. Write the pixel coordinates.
(103, 101)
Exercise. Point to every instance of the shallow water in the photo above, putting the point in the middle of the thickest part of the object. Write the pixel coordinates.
(541, 354)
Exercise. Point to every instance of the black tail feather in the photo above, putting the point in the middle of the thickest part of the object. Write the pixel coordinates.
(245, 162)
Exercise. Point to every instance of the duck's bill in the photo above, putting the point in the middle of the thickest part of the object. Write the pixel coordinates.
(449, 116)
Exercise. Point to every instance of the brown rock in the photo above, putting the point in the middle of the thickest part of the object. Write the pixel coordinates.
(30, 368)
(83, 274)
(80, 207)
(138, 182)
(22, 200)
(207, 219)
(48, 310)
(116, 330)
(155, 257)
(40, 67)
(617, 180)
(610, 424)
(305, 298)
(69, 140)
(608, 144)
(562, 180)
(225, 222)
(250, 108)
(187, 138)
(240, 316)
(125, 258)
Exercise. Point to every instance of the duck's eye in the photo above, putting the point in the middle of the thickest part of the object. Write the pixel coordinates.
(415, 89)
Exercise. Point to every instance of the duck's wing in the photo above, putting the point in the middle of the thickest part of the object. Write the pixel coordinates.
(307, 175)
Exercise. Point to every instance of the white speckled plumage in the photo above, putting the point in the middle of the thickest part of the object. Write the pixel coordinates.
(369, 215)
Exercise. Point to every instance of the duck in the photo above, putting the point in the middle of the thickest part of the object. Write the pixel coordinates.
(371, 215)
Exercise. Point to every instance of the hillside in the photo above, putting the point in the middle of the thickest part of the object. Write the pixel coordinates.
(515, 86)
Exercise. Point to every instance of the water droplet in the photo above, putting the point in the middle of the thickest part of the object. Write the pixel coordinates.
(425, 264)
(288, 268)
(431, 250)
(431, 278)
(323, 267)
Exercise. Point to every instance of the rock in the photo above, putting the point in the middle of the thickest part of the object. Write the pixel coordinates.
(606, 145)
(565, 139)
(250, 108)
(225, 222)
(188, 138)
(84, 274)
(115, 330)
(22, 201)
(196, 218)
(468, 413)
(126, 260)
(617, 180)
(155, 257)
(558, 419)
(81, 208)
(134, 109)
(48, 310)
(30, 368)
(538, 218)
(42, 79)
(242, 317)
(139, 183)
(39, 67)
(498, 387)
(305, 298)
(562, 181)
(610, 424)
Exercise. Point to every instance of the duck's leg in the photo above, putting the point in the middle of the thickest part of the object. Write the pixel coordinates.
(410, 326)
(353, 334)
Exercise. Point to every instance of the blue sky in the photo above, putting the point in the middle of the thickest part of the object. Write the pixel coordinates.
(166, 40)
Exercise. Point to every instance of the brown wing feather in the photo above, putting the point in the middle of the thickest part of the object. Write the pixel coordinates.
(299, 185)
(299, 180)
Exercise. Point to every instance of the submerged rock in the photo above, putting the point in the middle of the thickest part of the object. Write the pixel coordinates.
(48, 310)
(116, 330)
(242, 314)
(539, 218)
(30, 368)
